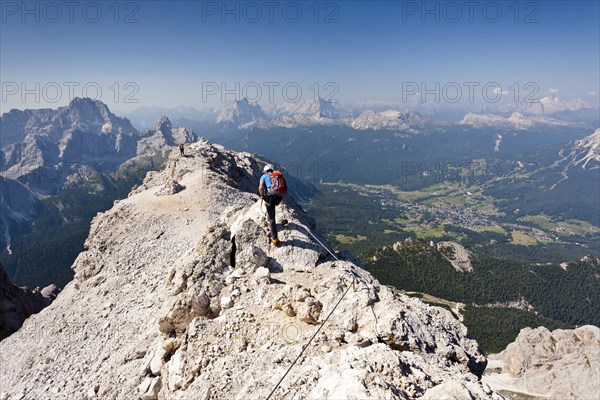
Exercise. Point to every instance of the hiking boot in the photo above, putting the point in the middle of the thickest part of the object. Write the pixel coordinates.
(275, 242)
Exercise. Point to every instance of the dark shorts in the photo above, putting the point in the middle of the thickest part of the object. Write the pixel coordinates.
(273, 201)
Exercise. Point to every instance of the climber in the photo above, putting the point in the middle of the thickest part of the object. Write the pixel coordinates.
(271, 188)
(182, 149)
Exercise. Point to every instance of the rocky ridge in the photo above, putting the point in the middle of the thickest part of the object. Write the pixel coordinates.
(180, 296)
(562, 364)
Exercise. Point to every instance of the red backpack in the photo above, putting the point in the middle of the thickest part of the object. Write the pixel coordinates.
(278, 186)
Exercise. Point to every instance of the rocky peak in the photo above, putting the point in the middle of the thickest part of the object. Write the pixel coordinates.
(241, 113)
(83, 115)
(85, 133)
(89, 114)
(163, 124)
(179, 295)
(163, 138)
(85, 104)
(327, 109)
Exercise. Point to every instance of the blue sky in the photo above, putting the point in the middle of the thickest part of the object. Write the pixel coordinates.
(173, 53)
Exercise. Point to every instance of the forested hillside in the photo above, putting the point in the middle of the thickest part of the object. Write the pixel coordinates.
(502, 294)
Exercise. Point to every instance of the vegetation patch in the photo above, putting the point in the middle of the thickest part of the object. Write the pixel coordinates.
(349, 239)
(519, 237)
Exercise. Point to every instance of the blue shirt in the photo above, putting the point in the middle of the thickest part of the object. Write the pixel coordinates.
(266, 179)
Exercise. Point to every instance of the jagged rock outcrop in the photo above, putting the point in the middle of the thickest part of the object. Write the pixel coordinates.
(459, 257)
(241, 113)
(17, 304)
(562, 364)
(83, 133)
(182, 297)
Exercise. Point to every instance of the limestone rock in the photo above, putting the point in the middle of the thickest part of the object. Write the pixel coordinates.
(560, 364)
(262, 275)
(172, 187)
(309, 310)
(226, 302)
(149, 388)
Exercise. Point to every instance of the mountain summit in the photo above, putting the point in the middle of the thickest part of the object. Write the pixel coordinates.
(241, 113)
(390, 119)
(85, 132)
(63, 125)
(178, 295)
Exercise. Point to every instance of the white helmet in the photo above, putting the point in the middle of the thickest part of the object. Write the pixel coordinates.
(268, 168)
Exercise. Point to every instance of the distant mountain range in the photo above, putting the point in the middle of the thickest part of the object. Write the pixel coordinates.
(400, 117)
(546, 106)
(83, 133)
(244, 114)
(43, 151)
(516, 121)
(532, 163)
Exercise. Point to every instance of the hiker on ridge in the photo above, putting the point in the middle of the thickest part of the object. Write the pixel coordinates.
(272, 187)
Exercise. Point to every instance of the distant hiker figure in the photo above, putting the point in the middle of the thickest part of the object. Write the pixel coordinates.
(272, 187)
(182, 149)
